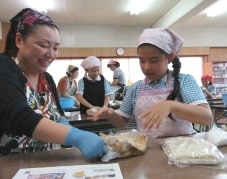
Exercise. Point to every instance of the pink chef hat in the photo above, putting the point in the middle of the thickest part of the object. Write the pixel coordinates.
(165, 39)
(206, 77)
(90, 62)
(112, 61)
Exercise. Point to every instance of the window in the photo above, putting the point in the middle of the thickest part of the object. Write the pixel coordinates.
(130, 66)
(58, 68)
(192, 66)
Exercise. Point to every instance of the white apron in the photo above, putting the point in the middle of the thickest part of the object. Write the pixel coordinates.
(71, 87)
(168, 127)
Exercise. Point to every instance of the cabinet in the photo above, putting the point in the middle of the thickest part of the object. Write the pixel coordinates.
(220, 76)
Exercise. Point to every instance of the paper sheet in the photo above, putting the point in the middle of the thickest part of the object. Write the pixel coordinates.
(103, 171)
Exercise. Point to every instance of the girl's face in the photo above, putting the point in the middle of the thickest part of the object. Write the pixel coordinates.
(153, 62)
(205, 83)
(38, 50)
(112, 67)
(93, 72)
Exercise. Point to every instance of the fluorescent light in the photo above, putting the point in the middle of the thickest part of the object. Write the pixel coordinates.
(217, 8)
(138, 5)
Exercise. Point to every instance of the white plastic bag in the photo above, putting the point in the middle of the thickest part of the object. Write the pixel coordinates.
(217, 136)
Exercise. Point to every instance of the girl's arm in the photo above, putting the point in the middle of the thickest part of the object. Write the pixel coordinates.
(106, 101)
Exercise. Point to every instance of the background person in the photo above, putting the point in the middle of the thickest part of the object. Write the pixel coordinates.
(119, 81)
(67, 85)
(93, 89)
(165, 103)
(31, 118)
(208, 89)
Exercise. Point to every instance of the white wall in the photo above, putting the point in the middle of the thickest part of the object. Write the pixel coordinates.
(113, 36)
(99, 36)
(209, 37)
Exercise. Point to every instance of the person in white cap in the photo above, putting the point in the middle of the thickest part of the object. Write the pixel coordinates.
(165, 103)
(67, 85)
(119, 81)
(93, 89)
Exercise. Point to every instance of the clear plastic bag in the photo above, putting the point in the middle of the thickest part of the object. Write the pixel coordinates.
(123, 145)
(217, 136)
(191, 151)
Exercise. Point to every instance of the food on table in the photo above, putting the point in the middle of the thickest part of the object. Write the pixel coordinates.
(189, 150)
(126, 144)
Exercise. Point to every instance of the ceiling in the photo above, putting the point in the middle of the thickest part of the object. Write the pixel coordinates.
(160, 13)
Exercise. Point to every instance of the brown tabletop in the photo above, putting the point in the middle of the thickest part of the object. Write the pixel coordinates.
(152, 164)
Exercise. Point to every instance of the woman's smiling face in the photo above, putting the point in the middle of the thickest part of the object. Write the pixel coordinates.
(153, 62)
(38, 50)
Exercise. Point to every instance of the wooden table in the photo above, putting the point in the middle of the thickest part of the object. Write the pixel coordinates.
(153, 164)
(217, 110)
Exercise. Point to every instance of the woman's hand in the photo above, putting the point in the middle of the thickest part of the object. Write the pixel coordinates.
(91, 145)
(152, 117)
(102, 113)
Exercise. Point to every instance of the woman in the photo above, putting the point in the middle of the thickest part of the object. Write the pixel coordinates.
(67, 85)
(31, 118)
(93, 89)
(119, 81)
(165, 103)
(208, 89)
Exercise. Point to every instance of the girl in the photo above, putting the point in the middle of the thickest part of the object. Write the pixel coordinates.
(208, 89)
(119, 81)
(165, 103)
(93, 89)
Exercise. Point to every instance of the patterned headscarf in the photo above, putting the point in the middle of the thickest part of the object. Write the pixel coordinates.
(29, 17)
(90, 62)
(164, 39)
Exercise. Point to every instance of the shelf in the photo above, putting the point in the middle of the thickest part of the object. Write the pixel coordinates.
(220, 76)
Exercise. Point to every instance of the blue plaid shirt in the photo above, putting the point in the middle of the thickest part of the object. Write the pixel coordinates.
(190, 93)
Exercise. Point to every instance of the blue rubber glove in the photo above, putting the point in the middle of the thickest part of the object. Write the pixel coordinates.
(64, 121)
(91, 145)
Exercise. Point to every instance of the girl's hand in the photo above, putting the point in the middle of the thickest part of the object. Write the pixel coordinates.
(153, 116)
(205, 90)
(102, 113)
